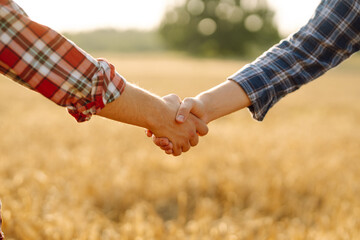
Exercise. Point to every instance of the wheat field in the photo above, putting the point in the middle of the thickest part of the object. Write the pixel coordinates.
(293, 176)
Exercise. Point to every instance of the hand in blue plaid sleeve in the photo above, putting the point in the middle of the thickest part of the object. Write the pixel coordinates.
(330, 37)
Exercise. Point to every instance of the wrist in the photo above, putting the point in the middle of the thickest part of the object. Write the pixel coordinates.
(204, 101)
(156, 118)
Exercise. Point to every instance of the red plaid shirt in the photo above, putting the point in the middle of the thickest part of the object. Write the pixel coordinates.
(45, 61)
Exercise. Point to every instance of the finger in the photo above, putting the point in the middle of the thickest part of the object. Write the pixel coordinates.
(170, 152)
(161, 142)
(167, 147)
(148, 133)
(184, 110)
(156, 141)
(164, 142)
(176, 151)
(186, 147)
(194, 140)
(201, 127)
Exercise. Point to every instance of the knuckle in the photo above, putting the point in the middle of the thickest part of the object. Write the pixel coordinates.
(175, 97)
(188, 102)
(187, 99)
(163, 141)
(192, 134)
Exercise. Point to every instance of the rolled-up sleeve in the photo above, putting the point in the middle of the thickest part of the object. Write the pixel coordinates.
(45, 61)
(331, 36)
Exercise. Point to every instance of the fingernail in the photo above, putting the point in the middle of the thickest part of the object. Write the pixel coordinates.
(180, 118)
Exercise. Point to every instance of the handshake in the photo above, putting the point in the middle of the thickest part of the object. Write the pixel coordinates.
(175, 125)
(189, 123)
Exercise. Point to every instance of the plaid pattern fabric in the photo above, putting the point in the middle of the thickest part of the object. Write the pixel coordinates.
(331, 36)
(45, 61)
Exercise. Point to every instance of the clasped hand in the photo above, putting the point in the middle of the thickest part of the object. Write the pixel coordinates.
(191, 116)
(176, 125)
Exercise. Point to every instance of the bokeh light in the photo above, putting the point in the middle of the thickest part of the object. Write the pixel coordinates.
(207, 26)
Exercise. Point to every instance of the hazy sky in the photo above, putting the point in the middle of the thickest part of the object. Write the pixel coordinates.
(77, 15)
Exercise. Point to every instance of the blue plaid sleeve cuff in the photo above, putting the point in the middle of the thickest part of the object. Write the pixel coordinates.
(256, 85)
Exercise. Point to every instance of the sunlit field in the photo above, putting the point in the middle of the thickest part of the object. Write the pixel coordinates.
(296, 175)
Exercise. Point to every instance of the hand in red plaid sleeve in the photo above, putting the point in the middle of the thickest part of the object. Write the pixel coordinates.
(152, 112)
(43, 60)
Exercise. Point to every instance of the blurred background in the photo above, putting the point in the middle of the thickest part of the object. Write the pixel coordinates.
(206, 28)
(293, 176)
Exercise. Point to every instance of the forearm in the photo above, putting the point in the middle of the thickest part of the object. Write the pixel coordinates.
(222, 100)
(141, 108)
(209, 105)
(135, 106)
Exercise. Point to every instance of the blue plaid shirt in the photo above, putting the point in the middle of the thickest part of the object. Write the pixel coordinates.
(330, 37)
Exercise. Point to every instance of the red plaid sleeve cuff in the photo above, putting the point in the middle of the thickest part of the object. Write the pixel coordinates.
(107, 85)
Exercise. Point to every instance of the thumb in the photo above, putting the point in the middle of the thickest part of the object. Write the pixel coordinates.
(184, 110)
